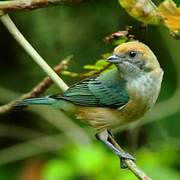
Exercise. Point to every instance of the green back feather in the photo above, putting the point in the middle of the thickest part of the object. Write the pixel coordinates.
(106, 90)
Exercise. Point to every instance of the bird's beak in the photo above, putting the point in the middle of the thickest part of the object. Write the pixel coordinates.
(114, 59)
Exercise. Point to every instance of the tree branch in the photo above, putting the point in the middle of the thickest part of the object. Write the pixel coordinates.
(140, 174)
(22, 5)
(11, 27)
(38, 89)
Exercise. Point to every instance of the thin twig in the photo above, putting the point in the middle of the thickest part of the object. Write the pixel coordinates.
(140, 174)
(68, 127)
(38, 89)
(18, 132)
(11, 27)
(24, 5)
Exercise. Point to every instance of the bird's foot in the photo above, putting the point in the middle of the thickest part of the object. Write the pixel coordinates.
(123, 157)
(109, 141)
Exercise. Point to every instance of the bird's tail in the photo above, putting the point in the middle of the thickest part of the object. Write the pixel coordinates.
(36, 101)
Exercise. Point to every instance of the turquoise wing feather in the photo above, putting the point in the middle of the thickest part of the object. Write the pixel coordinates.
(106, 90)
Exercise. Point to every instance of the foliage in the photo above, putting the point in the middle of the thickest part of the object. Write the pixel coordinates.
(93, 162)
(147, 12)
(171, 15)
(102, 65)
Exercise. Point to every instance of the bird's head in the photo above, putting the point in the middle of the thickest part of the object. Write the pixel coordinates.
(133, 59)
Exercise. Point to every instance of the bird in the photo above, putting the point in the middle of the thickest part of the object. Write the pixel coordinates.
(115, 97)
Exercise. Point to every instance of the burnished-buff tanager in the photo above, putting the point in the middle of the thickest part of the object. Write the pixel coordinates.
(117, 96)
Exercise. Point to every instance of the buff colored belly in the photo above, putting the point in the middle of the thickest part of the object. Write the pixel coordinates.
(103, 118)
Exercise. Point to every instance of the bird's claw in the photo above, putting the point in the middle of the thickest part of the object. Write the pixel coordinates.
(106, 138)
(123, 157)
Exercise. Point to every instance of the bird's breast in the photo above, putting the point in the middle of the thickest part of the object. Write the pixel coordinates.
(143, 92)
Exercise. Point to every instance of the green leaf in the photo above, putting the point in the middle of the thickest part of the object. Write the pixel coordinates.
(57, 169)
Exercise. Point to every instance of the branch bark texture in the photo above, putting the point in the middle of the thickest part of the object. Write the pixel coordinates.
(24, 5)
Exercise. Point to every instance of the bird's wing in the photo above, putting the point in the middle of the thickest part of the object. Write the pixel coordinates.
(102, 91)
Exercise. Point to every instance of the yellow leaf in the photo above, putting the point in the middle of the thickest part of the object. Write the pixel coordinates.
(147, 12)
(170, 14)
(142, 10)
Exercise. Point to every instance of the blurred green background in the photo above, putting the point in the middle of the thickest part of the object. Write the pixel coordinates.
(39, 143)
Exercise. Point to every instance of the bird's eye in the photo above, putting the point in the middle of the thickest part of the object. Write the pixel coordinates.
(132, 54)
